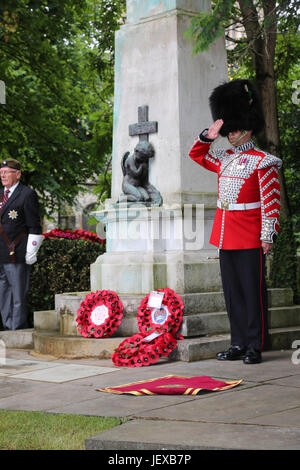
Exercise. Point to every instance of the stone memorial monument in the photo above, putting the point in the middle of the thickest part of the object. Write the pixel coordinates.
(155, 245)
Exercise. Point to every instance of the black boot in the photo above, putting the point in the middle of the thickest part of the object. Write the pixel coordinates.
(232, 354)
(252, 356)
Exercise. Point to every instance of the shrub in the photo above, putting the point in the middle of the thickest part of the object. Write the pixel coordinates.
(284, 260)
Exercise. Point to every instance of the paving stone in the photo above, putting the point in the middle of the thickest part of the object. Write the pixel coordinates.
(170, 435)
(261, 413)
(233, 406)
(62, 373)
(289, 418)
(10, 367)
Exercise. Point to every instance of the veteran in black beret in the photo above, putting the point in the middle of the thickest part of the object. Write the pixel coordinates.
(20, 239)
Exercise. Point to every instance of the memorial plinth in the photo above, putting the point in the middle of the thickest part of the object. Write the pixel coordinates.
(154, 247)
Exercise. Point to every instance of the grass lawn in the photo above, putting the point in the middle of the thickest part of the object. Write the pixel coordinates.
(34, 430)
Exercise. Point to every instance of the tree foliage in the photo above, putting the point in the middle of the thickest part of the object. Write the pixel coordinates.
(265, 47)
(257, 25)
(57, 63)
(286, 69)
(207, 26)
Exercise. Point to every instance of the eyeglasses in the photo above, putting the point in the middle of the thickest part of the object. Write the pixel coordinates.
(7, 172)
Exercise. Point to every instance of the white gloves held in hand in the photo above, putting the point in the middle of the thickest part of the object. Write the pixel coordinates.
(33, 244)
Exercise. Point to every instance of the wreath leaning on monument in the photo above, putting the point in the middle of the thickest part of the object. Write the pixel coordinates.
(100, 314)
(165, 319)
(136, 352)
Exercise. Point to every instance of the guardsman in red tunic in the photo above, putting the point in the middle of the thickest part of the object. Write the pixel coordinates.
(247, 216)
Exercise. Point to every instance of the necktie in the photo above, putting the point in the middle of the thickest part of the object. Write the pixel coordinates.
(5, 197)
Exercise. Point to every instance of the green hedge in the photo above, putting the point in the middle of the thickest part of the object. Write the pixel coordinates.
(63, 266)
(284, 264)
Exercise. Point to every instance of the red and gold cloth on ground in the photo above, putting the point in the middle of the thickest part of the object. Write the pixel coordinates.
(172, 385)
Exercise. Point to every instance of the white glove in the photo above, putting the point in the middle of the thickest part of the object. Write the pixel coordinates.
(33, 244)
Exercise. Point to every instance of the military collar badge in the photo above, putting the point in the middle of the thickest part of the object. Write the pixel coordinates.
(243, 147)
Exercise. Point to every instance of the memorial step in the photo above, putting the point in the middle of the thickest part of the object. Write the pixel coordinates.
(188, 350)
(195, 349)
(16, 339)
(205, 332)
(74, 347)
(196, 302)
(204, 302)
(46, 320)
(200, 324)
(66, 305)
(217, 322)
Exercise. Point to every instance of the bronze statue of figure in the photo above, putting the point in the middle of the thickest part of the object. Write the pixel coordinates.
(135, 185)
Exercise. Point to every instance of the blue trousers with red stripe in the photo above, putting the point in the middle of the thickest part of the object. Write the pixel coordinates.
(246, 298)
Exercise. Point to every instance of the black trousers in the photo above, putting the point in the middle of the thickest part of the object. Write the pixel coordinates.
(245, 291)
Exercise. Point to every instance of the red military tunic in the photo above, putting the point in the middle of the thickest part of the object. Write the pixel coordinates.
(246, 175)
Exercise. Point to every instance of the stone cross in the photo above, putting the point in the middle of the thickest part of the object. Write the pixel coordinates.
(143, 127)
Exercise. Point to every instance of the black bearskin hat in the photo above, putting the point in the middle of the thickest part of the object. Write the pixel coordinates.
(238, 104)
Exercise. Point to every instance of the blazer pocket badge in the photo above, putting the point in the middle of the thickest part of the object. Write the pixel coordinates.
(13, 214)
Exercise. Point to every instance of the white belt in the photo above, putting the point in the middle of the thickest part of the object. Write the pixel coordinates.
(237, 207)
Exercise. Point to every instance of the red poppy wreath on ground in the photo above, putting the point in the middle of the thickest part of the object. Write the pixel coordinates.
(136, 352)
(100, 314)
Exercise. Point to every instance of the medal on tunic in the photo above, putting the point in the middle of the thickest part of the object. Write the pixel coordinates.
(242, 162)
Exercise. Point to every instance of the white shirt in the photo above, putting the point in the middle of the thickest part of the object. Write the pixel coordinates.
(11, 190)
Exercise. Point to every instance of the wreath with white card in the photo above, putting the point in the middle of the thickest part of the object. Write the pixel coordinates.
(100, 314)
(160, 311)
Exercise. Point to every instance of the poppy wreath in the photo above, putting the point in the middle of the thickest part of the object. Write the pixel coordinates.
(100, 314)
(135, 352)
(74, 235)
(167, 319)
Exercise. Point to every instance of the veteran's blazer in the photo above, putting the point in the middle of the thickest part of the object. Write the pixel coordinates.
(19, 213)
(246, 175)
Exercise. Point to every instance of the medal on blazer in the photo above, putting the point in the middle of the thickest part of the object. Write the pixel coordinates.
(13, 214)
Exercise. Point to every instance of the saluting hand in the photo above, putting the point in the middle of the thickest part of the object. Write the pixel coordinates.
(213, 131)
